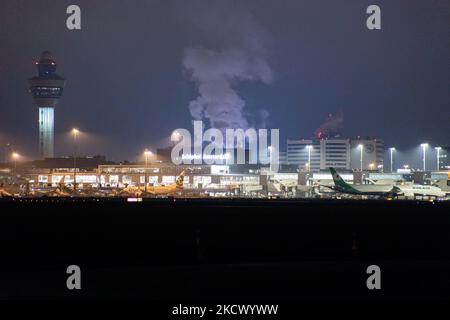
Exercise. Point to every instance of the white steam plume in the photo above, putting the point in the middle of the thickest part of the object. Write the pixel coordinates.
(241, 56)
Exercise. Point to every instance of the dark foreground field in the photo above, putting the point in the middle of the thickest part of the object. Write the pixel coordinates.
(206, 250)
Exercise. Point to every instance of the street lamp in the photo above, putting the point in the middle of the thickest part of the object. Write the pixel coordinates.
(309, 147)
(392, 151)
(147, 153)
(75, 133)
(424, 149)
(15, 156)
(371, 166)
(438, 150)
(361, 148)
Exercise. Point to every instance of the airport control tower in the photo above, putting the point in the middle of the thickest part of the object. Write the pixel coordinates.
(46, 89)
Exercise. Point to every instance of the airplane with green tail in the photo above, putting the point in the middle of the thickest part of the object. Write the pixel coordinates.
(363, 189)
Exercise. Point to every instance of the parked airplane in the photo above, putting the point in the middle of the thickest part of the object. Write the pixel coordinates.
(13, 186)
(154, 190)
(60, 191)
(414, 190)
(408, 191)
(362, 189)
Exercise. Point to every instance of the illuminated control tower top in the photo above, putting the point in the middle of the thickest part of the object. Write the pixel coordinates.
(46, 89)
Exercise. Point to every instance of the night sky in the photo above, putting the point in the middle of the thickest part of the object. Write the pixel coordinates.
(139, 69)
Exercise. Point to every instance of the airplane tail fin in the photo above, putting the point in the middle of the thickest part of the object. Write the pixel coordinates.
(61, 182)
(338, 181)
(180, 180)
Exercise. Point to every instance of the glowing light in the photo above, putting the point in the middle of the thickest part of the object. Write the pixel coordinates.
(176, 136)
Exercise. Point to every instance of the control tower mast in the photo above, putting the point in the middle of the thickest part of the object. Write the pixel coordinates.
(46, 89)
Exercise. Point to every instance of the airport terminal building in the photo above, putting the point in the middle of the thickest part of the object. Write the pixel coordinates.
(340, 153)
(221, 180)
(293, 179)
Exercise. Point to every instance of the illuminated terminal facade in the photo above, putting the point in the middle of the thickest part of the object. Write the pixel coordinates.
(212, 178)
(46, 89)
(218, 179)
(343, 154)
(95, 174)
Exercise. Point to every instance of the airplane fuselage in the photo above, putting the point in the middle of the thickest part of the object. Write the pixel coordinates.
(421, 190)
(376, 190)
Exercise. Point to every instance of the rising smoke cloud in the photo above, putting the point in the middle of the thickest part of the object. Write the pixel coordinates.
(240, 55)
